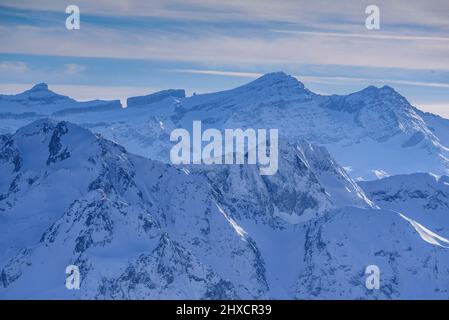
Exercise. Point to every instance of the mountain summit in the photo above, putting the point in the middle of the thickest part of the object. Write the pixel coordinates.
(41, 92)
(272, 86)
(278, 79)
(39, 87)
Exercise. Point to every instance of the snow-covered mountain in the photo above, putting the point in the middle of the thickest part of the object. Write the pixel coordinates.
(412, 260)
(93, 188)
(359, 129)
(138, 228)
(308, 183)
(38, 102)
(421, 196)
(155, 97)
(69, 197)
(371, 132)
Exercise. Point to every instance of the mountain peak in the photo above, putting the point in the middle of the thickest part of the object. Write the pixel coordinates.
(279, 83)
(276, 75)
(41, 92)
(279, 77)
(40, 87)
(382, 90)
(390, 91)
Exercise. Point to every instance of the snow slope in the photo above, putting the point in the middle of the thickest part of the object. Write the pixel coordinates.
(420, 196)
(117, 221)
(141, 229)
(340, 247)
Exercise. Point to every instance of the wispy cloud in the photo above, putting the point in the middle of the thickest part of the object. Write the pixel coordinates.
(220, 73)
(312, 13)
(269, 32)
(73, 68)
(319, 79)
(13, 66)
(374, 80)
(364, 35)
(237, 49)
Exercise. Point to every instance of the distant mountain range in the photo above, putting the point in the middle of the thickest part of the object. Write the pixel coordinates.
(92, 187)
(371, 132)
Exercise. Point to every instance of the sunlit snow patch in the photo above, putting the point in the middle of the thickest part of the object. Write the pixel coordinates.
(426, 234)
(380, 174)
(242, 233)
(308, 214)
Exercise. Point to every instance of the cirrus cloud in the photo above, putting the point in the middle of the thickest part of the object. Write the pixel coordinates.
(13, 66)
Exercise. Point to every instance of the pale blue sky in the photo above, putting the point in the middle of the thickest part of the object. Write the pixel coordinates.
(127, 48)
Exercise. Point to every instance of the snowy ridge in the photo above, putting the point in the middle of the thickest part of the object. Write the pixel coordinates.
(339, 247)
(426, 234)
(358, 129)
(41, 101)
(120, 218)
(420, 196)
(141, 229)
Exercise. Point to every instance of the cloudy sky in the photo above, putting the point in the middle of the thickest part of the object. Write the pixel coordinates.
(127, 48)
